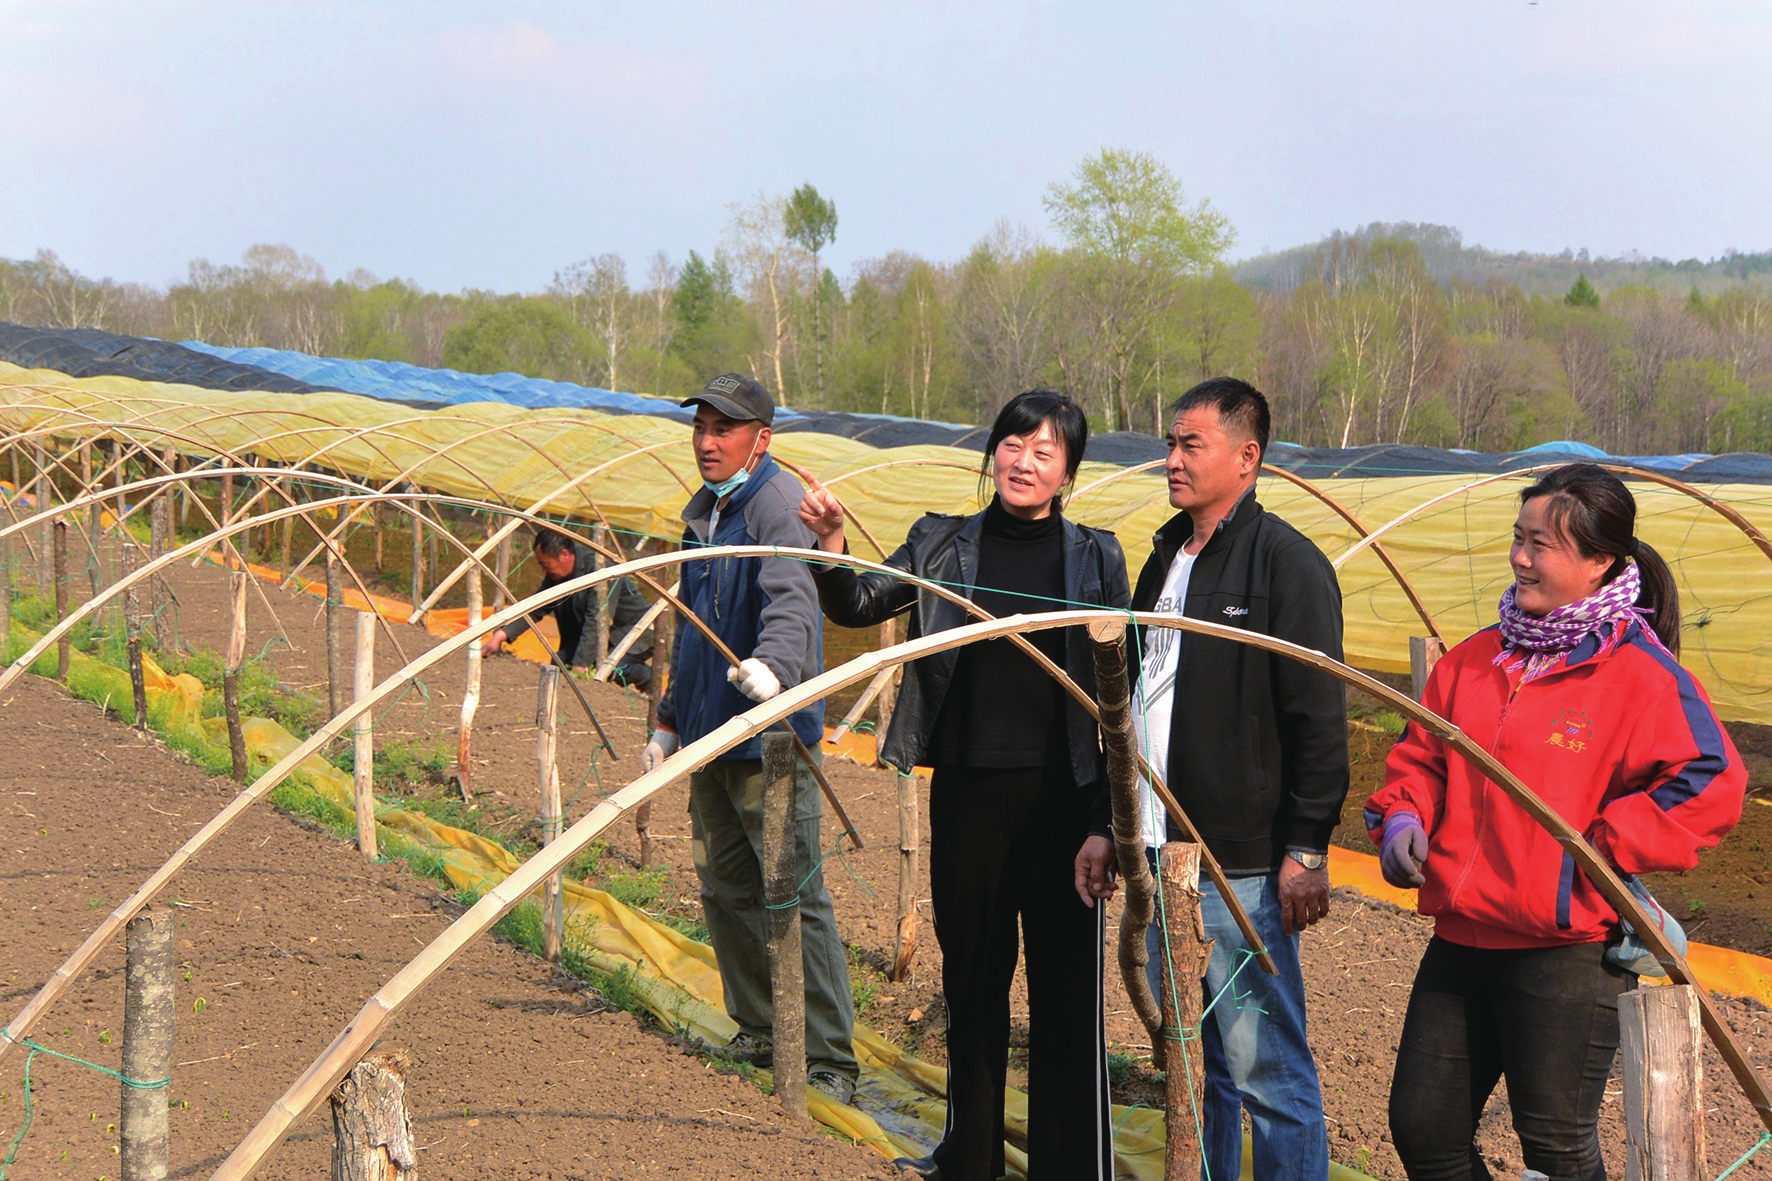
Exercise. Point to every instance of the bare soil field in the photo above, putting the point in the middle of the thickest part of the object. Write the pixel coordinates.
(519, 1070)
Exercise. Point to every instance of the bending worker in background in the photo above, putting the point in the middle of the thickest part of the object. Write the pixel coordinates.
(766, 611)
(1254, 747)
(1580, 693)
(1018, 770)
(562, 559)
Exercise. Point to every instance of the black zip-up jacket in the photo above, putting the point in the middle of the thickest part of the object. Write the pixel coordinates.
(944, 549)
(1257, 741)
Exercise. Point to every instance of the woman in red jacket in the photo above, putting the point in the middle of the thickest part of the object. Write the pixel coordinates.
(1578, 692)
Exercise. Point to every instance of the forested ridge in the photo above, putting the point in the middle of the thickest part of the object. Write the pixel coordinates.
(1392, 333)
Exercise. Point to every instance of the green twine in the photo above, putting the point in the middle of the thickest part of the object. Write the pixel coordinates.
(1765, 1139)
(29, 1108)
(836, 850)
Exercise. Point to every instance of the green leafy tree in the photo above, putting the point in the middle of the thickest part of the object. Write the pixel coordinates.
(811, 224)
(710, 318)
(1582, 295)
(534, 337)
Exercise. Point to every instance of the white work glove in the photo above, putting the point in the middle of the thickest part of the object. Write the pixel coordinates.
(754, 680)
(661, 746)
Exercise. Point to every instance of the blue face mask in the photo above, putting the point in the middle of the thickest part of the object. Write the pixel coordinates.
(729, 485)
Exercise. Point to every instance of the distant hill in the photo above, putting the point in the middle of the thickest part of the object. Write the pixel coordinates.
(1448, 258)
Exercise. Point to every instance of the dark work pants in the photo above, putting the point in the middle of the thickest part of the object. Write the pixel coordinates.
(1002, 847)
(1545, 1018)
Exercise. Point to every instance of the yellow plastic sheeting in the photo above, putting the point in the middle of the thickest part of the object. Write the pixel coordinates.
(1455, 553)
(901, 1110)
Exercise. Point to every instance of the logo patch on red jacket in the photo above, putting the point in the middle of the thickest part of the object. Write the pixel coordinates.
(1572, 730)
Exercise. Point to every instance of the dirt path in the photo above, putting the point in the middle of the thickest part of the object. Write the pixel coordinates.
(517, 1073)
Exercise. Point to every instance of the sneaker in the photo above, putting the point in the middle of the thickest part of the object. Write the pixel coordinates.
(839, 1088)
(750, 1048)
(924, 1167)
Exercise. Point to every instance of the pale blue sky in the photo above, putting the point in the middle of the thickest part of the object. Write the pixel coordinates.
(478, 145)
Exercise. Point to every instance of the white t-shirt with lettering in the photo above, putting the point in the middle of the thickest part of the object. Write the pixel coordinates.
(1154, 701)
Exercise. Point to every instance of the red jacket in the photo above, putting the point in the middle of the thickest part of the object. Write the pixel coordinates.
(1618, 738)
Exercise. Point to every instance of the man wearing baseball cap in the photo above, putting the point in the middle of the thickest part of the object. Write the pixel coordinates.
(766, 610)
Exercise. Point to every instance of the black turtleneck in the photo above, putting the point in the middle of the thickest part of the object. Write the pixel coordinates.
(1001, 710)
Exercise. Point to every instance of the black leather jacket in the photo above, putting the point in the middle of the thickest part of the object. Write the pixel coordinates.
(944, 549)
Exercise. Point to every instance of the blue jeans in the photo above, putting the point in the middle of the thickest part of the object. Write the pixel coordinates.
(1257, 1055)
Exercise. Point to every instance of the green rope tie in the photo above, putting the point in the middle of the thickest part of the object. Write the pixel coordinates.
(1765, 1139)
(29, 1108)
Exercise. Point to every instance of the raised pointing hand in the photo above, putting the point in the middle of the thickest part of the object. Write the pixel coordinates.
(822, 512)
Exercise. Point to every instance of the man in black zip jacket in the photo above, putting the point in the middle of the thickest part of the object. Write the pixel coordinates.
(1254, 745)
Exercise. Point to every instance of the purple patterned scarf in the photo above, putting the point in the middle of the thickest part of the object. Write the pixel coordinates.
(1537, 643)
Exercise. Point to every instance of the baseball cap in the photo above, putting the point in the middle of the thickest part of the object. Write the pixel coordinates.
(737, 396)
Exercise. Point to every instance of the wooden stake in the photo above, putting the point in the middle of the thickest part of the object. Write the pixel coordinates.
(1424, 653)
(5, 594)
(656, 686)
(501, 568)
(1120, 741)
(375, 528)
(236, 659)
(470, 698)
(46, 576)
(132, 630)
(1186, 952)
(335, 676)
(149, 1024)
(363, 735)
(418, 554)
(781, 896)
(601, 598)
(63, 647)
(909, 838)
(371, 1132)
(1663, 1051)
(875, 687)
(553, 909)
(888, 696)
(159, 541)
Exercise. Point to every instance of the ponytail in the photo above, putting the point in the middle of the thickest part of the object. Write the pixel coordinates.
(1593, 509)
(1659, 595)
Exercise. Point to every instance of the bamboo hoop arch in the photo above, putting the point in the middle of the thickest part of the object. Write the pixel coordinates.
(312, 1086)
(1728, 512)
(1357, 525)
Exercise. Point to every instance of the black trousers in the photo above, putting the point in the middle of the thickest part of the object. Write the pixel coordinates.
(1002, 847)
(1546, 1018)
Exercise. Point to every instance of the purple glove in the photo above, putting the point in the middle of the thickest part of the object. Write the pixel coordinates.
(1403, 848)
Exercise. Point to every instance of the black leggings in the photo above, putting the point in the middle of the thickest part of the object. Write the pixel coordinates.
(1545, 1018)
(1002, 847)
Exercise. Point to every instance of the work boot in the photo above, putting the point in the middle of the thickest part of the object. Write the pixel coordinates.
(923, 1167)
(750, 1048)
(839, 1088)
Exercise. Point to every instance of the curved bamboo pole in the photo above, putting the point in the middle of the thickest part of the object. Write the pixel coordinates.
(312, 1086)
(1728, 512)
(1310, 487)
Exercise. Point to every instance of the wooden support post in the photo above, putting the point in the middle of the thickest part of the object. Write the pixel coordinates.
(501, 569)
(236, 660)
(888, 695)
(63, 649)
(46, 576)
(288, 560)
(149, 1026)
(418, 554)
(159, 541)
(231, 551)
(1424, 653)
(601, 599)
(363, 736)
(1663, 1065)
(656, 687)
(132, 632)
(335, 676)
(470, 698)
(1120, 741)
(547, 699)
(781, 897)
(371, 1132)
(375, 528)
(909, 838)
(5, 595)
(1186, 952)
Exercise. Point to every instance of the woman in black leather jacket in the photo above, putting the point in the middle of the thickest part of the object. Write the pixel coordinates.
(1017, 766)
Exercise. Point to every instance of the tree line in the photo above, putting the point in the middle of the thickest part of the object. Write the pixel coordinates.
(1126, 302)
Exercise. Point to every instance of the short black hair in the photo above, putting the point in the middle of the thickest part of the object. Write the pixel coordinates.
(1241, 407)
(1024, 413)
(551, 543)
